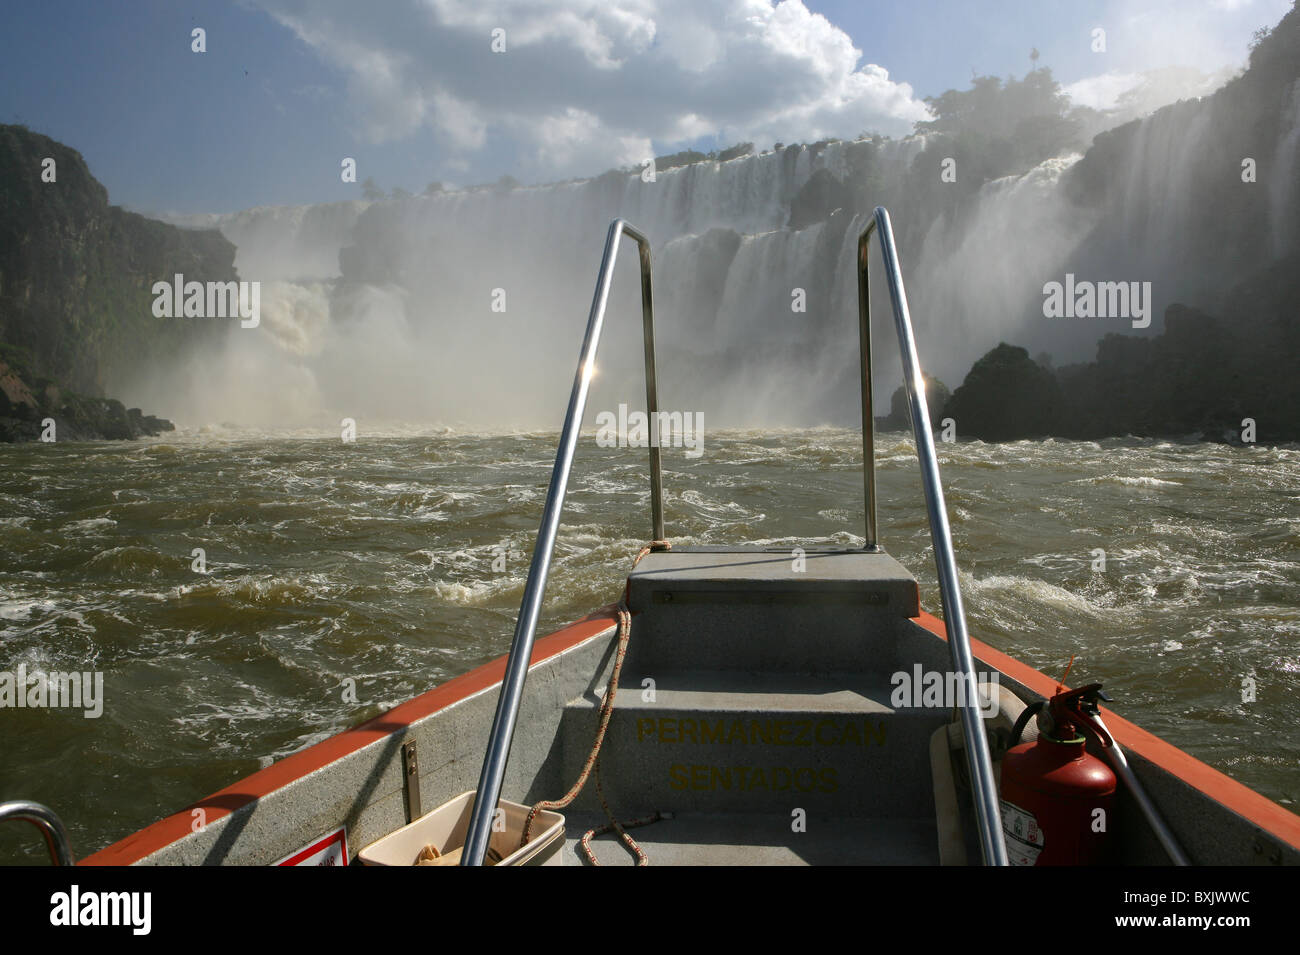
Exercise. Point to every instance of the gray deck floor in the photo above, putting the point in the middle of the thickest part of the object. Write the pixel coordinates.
(739, 839)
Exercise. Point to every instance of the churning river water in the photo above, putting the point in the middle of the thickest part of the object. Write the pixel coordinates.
(397, 562)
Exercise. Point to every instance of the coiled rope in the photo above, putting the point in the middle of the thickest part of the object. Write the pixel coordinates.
(592, 765)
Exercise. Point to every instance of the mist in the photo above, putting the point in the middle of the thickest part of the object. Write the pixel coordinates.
(465, 309)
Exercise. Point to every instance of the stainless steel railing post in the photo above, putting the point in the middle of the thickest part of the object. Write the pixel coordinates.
(987, 807)
(868, 415)
(521, 648)
(651, 387)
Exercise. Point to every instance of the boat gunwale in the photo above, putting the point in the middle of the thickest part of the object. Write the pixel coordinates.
(1205, 779)
(1215, 785)
(250, 789)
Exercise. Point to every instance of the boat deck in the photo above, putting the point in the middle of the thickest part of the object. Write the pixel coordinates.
(752, 839)
(755, 708)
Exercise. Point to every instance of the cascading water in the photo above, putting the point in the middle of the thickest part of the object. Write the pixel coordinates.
(1285, 182)
(983, 272)
(467, 307)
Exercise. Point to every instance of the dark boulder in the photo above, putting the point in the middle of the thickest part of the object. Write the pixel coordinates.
(1006, 396)
(937, 395)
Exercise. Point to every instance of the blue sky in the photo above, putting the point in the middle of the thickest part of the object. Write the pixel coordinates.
(412, 90)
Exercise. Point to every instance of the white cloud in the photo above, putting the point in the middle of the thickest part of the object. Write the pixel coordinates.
(587, 84)
(1127, 96)
(1101, 92)
(563, 141)
(1206, 36)
(458, 121)
(1167, 50)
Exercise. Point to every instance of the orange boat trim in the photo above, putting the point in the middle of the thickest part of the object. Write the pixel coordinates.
(1237, 797)
(254, 787)
(1242, 800)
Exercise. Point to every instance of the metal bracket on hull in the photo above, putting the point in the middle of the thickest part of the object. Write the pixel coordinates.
(411, 781)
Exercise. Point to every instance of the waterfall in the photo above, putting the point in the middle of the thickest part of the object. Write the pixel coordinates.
(494, 288)
(467, 307)
(1284, 184)
(979, 276)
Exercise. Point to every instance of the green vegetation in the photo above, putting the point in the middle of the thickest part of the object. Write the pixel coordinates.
(684, 158)
(1001, 110)
(996, 128)
(735, 152)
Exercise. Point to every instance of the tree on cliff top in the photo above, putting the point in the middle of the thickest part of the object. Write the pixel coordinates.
(1013, 125)
(995, 109)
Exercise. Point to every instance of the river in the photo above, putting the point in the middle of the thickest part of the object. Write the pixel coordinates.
(376, 569)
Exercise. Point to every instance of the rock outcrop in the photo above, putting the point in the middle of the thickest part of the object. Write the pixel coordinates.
(1203, 376)
(76, 277)
(32, 407)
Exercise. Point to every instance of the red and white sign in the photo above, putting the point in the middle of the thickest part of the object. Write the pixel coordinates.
(327, 850)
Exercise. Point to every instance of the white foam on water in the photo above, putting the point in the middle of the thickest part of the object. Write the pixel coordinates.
(23, 609)
(89, 525)
(1041, 592)
(474, 593)
(1128, 480)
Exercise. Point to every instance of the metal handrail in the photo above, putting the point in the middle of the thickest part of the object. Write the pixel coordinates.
(987, 807)
(521, 648)
(44, 819)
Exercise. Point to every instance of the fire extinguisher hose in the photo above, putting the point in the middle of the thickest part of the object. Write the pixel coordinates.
(1023, 720)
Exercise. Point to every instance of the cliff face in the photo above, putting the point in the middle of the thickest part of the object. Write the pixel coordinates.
(1203, 375)
(36, 408)
(76, 277)
(1201, 193)
(1202, 197)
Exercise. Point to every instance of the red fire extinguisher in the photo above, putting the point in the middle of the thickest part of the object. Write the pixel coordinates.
(1057, 797)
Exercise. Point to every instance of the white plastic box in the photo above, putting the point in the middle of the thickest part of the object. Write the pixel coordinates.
(445, 829)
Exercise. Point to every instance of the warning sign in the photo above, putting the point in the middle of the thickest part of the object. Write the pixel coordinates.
(327, 850)
(1024, 838)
